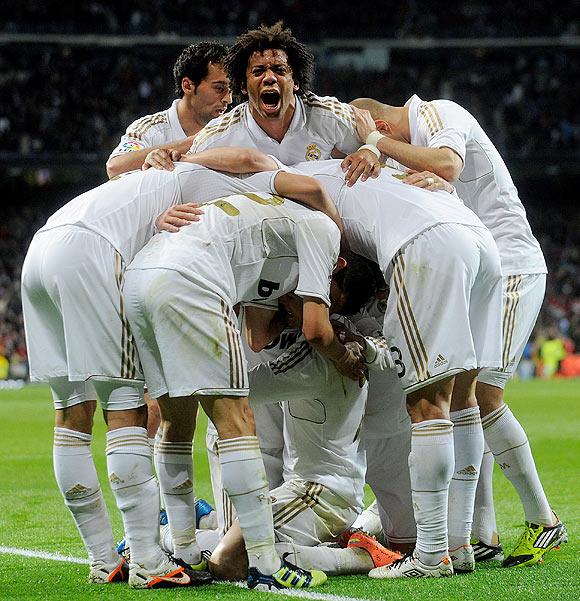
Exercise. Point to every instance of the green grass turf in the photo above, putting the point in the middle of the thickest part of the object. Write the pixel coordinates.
(32, 515)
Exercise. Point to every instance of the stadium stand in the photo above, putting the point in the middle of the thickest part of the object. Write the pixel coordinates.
(420, 18)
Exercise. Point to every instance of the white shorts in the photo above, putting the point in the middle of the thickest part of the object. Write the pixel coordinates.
(523, 296)
(307, 513)
(444, 310)
(187, 336)
(76, 328)
(388, 476)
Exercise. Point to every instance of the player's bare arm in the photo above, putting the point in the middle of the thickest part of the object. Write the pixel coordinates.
(232, 160)
(262, 325)
(318, 332)
(444, 162)
(131, 161)
(308, 191)
(393, 140)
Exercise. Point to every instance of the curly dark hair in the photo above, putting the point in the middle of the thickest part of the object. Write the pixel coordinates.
(275, 37)
(358, 280)
(193, 63)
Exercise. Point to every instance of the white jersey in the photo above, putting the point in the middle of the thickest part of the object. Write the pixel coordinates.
(485, 184)
(151, 130)
(381, 215)
(319, 124)
(123, 210)
(323, 414)
(248, 248)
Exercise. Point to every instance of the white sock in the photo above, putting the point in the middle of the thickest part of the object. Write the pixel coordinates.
(431, 463)
(156, 441)
(510, 447)
(136, 492)
(468, 449)
(206, 539)
(78, 482)
(369, 520)
(484, 522)
(244, 480)
(174, 463)
(331, 560)
(225, 511)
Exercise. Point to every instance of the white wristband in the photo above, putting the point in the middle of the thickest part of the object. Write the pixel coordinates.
(374, 137)
(372, 148)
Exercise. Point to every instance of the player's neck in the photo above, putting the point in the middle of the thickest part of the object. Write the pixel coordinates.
(188, 119)
(404, 123)
(275, 128)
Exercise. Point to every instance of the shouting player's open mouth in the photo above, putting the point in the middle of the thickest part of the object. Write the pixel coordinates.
(271, 102)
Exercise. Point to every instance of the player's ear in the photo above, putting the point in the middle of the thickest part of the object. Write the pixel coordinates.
(187, 86)
(384, 127)
(244, 89)
(340, 265)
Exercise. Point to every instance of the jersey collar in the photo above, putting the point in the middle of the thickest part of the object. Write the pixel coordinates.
(173, 118)
(413, 104)
(297, 123)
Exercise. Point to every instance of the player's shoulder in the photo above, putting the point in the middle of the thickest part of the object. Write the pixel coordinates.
(441, 113)
(328, 108)
(144, 124)
(222, 126)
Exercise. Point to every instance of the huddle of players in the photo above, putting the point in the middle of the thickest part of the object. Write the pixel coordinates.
(172, 298)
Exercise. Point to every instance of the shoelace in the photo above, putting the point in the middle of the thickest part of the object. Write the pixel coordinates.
(177, 561)
(527, 536)
(399, 562)
(299, 571)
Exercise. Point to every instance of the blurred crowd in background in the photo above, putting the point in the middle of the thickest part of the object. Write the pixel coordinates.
(309, 20)
(60, 101)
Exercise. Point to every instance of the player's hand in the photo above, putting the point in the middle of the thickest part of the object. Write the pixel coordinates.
(428, 181)
(178, 216)
(345, 334)
(351, 364)
(377, 354)
(363, 163)
(161, 158)
(364, 123)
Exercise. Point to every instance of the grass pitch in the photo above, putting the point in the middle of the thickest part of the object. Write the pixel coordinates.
(33, 517)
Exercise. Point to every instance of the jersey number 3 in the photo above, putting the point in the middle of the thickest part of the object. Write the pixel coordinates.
(398, 356)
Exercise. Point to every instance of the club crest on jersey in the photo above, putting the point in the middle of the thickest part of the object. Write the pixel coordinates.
(131, 146)
(313, 153)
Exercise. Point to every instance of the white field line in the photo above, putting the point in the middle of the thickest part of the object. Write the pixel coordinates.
(293, 592)
(67, 558)
(42, 555)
